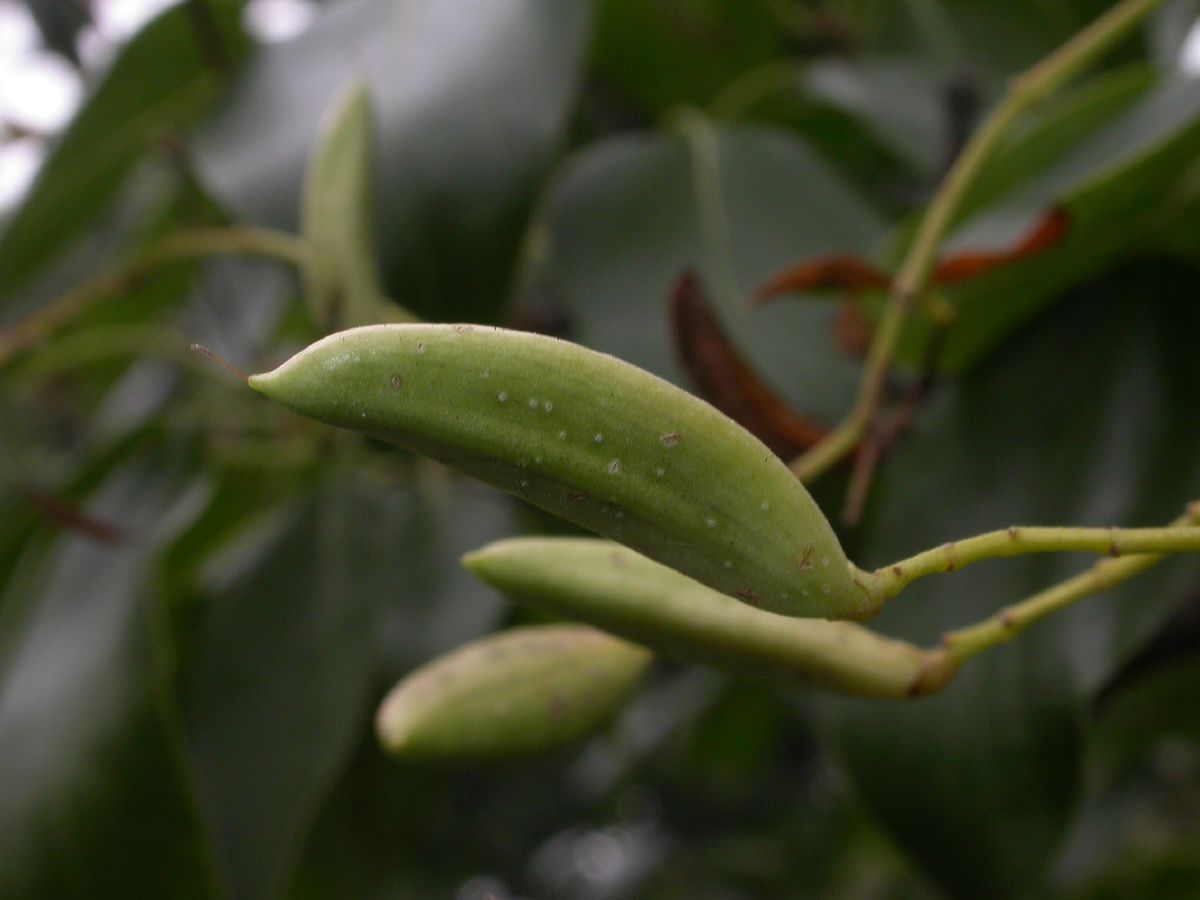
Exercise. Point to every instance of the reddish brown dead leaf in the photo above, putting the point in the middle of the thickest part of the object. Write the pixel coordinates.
(67, 515)
(852, 274)
(842, 271)
(727, 381)
(852, 327)
(1048, 231)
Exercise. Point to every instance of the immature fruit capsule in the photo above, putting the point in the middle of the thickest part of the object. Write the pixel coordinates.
(514, 693)
(613, 588)
(592, 439)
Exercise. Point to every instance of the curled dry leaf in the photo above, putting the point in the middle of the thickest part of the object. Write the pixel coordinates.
(67, 515)
(1048, 231)
(726, 381)
(849, 273)
(852, 327)
(836, 271)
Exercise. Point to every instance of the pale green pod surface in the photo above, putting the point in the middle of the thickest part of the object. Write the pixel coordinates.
(510, 694)
(592, 439)
(613, 588)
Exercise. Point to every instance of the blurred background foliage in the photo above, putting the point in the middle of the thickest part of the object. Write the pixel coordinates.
(203, 598)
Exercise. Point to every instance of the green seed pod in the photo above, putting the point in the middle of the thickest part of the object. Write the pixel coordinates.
(510, 694)
(613, 588)
(592, 439)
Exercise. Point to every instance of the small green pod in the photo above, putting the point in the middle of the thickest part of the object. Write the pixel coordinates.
(615, 589)
(594, 440)
(515, 693)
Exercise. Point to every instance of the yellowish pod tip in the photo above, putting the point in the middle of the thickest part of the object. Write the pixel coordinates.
(591, 439)
(516, 693)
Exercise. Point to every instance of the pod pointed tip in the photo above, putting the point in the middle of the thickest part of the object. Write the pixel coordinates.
(391, 727)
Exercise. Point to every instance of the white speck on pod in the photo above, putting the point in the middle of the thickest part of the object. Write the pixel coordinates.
(502, 396)
(548, 406)
(533, 403)
(562, 435)
(599, 438)
(710, 522)
(614, 467)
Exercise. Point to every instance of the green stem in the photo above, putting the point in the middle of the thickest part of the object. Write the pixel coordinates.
(180, 246)
(1024, 92)
(704, 152)
(964, 643)
(1020, 540)
(747, 91)
(72, 351)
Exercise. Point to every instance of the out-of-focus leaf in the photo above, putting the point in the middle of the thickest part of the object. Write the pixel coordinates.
(1148, 874)
(1150, 710)
(1135, 836)
(97, 799)
(60, 24)
(666, 54)
(161, 81)
(628, 214)
(1168, 29)
(899, 101)
(276, 685)
(286, 656)
(1087, 420)
(999, 38)
(469, 110)
(1122, 191)
(341, 273)
(726, 381)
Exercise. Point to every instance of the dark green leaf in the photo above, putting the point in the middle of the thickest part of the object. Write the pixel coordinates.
(97, 800)
(469, 110)
(60, 24)
(629, 214)
(1088, 420)
(1122, 187)
(285, 658)
(661, 55)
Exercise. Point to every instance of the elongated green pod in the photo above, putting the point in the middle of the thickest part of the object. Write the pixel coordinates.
(591, 439)
(510, 694)
(613, 588)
